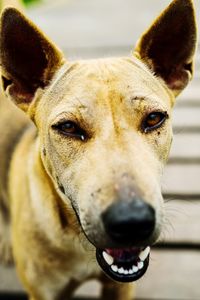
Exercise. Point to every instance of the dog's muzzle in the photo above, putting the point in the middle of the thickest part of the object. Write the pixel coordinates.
(128, 224)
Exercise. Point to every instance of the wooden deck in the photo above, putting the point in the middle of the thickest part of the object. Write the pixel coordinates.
(93, 28)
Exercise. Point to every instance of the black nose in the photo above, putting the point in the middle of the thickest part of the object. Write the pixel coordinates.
(127, 222)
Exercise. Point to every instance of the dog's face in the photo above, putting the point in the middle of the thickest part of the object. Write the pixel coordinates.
(104, 129)
(104, 140)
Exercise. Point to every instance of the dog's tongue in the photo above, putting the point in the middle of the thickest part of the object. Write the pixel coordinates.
(124, 253)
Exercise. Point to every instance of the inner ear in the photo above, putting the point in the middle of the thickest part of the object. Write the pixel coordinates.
(23, 53)
(168, 46)
(28, 58)
(5, 82)
(172, 48)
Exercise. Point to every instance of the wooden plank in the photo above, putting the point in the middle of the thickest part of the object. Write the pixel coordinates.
(176, 160)
(182, 222)
(8, 280)
(186, 129)
(189, 103)
(20, 296)
(181, 179)
(192, 92)
(177, 246)
(181, 196)
(186, 145)
(186, 116)
(173, 275)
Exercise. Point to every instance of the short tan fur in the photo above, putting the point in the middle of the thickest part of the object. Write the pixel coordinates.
(55, 187)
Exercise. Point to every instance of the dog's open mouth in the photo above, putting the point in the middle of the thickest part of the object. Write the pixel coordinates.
(124, 265)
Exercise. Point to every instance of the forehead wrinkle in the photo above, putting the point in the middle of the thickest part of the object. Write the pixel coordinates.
(63, 72)
(148, 97)
(107, 72)
(82, 108)
(158, 82)
(66, 74)
(100, 70)
(85, 79)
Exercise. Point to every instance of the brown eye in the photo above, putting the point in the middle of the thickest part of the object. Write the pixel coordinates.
(154, 120)
(71, 129)
(68, 127)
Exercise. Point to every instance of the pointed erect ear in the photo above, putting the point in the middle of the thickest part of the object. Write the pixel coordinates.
(28, 59)
(168, 46)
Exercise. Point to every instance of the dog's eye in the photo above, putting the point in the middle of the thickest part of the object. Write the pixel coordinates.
(70, 128)
(154, 120)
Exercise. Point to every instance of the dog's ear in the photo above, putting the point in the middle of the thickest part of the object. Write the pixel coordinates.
(169, 45)
(28, 59)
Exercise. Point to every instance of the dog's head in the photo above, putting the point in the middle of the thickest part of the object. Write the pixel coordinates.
(104, 127)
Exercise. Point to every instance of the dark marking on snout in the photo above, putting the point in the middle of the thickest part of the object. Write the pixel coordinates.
(44, 152)
(62, 215)
(61, 188)
(76, 213)
(129, 222)
(94, 194)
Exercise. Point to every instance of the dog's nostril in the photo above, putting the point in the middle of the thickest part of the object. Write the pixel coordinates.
(127, 222)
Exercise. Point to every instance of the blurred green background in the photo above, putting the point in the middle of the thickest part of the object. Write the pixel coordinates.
(28, 2)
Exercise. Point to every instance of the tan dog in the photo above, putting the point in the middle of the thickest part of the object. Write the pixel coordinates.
(84, 181)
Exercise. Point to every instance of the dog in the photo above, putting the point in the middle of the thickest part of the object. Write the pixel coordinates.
(82, 156)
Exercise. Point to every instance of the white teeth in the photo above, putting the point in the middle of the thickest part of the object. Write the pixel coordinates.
(126, 272)
(135, 269)
(140, 265)
(114, 268)
(121, 271)
(108, 258)
(144, 254)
